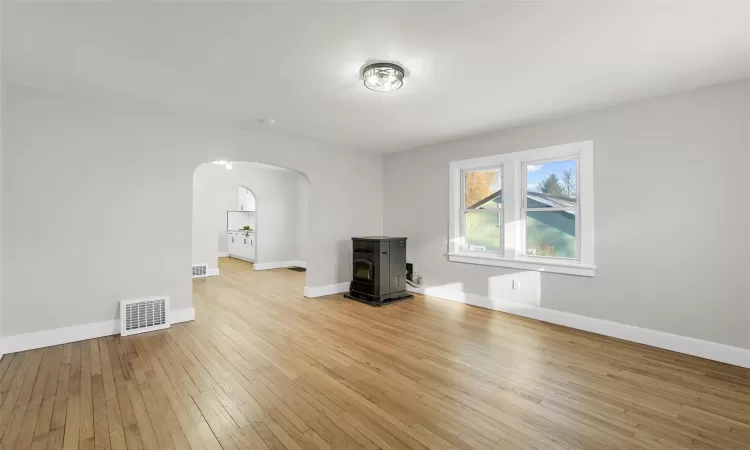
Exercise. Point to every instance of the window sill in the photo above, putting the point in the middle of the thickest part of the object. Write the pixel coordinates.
(581, 270)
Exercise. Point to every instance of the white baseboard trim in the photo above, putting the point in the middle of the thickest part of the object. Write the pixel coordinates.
(182, 315)
(242, 258)
(660, 339)
(279, 265)
(223, 255)
(75, 333)
(416, 290)
(329, 289)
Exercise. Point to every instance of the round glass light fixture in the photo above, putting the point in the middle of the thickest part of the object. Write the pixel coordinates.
(383, 77)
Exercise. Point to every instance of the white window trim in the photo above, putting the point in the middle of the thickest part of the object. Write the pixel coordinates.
(514, 255)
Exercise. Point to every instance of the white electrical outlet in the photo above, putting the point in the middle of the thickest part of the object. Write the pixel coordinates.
(516, 285)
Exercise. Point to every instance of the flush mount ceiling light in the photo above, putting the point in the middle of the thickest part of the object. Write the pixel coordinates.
(383, 77)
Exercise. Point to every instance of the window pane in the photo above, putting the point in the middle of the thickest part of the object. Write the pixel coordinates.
(482, 188)
(551, 233)
(551, 184)
(484, 231)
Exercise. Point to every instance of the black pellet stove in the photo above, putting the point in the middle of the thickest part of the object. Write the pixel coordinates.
(378, 270)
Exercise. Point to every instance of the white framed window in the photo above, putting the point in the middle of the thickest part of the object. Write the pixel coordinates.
(532, 209)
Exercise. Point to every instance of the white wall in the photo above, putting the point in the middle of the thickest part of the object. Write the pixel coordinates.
(2, 138)
(97, 201)
(303, 196)
(672, 227)
(278, 203)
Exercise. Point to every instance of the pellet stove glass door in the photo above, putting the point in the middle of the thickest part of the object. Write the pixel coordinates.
(362, 270)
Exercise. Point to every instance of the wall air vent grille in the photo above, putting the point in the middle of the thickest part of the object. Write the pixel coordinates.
(140, 316)
(200, 271)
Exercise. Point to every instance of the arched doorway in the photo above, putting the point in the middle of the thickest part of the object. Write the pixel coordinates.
(253, 213)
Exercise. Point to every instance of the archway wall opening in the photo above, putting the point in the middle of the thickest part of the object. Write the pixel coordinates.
(278, 216)
(343, 189)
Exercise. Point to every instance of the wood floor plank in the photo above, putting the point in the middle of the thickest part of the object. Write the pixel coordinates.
(145, 426)
(59, 410)
(263, 367)
(202, 372)
(99, 410)
(46, 411)
(5, 361)
(55, 439)
(39, 412)
(26, 434)
(15, 420)
(15, 379)
(114, 420)
(87, 405)
(11, 364)
(43, 422)
(73, 414)
(185, 433)
(160, 418)
(40, 383)
(127, 415)
(218, 419)
(96, 364)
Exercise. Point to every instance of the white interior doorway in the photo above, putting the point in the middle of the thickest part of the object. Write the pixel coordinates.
(264, 208)
(241, 238)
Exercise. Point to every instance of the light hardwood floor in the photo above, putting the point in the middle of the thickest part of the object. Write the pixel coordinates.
(262, 367)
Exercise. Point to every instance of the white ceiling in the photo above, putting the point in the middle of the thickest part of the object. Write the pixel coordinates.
(471, 67)
(256, 165)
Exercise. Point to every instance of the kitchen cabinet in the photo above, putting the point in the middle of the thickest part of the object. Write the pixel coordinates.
(251, 247)
(245, 199)
(248, 247)
(233, 246)
(242, 245)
